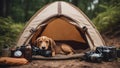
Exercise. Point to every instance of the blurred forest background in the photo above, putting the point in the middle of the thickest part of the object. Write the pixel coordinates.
(14, 14)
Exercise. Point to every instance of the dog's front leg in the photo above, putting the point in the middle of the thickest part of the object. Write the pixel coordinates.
(53, 53)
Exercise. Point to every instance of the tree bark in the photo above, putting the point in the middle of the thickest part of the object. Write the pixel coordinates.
(26, 9)
(4, 7)
(75, 2)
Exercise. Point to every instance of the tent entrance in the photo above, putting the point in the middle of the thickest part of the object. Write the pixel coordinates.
(62, 31)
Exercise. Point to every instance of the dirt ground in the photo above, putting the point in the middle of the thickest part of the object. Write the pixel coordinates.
(68, 64)
(74, 63)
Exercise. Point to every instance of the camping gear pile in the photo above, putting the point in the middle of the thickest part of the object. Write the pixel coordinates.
(22, 55)
(16, 56)
(64, 23)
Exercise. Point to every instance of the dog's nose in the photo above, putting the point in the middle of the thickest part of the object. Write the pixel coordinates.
(43, 47)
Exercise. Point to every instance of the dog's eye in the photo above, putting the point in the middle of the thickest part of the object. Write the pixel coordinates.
(47, 41)
(40, 41)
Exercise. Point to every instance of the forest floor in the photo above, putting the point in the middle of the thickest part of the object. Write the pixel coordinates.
(76, 63)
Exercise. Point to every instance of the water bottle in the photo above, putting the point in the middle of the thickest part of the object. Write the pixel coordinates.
(6, 51)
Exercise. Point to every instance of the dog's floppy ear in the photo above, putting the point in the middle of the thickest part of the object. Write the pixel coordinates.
(36, 42)
(52, 44)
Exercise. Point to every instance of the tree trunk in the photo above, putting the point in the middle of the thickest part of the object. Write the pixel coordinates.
(75, 2)
(26, 9)
(4, 7)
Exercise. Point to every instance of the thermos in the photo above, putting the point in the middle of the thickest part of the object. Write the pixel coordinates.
(6, 51)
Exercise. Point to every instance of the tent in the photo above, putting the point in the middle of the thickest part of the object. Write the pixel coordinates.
(63, 22)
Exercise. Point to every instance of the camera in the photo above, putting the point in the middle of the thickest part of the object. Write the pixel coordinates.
(22, 52)
(102, 53)
(109, 52)
(91, 56)
(38, 51)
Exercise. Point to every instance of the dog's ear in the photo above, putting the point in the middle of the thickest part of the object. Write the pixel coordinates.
(36, 42)
(52, 44)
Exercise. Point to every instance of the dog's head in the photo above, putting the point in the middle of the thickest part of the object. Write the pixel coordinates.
(44, 43)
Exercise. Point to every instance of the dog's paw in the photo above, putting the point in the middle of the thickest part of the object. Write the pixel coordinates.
(71, 53)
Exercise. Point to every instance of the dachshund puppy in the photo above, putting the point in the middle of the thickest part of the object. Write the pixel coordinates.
(45, 43)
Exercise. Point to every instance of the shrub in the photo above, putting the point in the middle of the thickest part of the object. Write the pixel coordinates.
(107, 19)
(9, 31)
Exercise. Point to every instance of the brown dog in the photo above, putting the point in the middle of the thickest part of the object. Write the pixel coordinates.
(46, 43)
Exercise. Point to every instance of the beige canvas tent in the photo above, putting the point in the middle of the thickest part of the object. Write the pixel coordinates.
(62, 22)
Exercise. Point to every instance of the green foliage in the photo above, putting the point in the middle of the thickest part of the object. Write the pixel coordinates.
(22, 10)
(9, 31)
(108, 18)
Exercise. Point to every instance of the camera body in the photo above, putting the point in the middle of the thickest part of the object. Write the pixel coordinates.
(109, 52)
(22, 52)
(38, 51)
(91, 56)
(105, 53)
